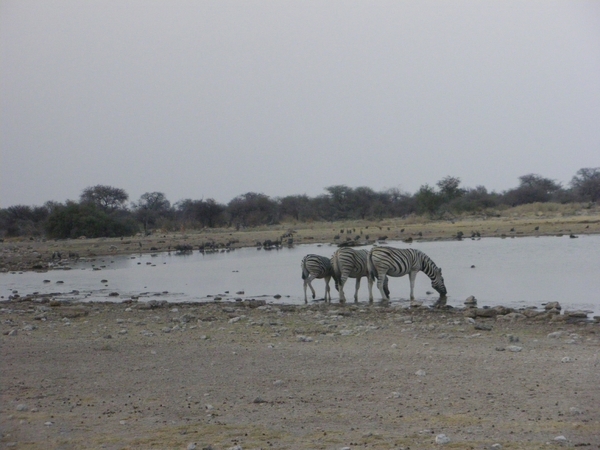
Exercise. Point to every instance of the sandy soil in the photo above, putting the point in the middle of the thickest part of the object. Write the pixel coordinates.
(214, 376)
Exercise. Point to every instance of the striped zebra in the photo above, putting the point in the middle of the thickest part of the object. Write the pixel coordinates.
(316, 266)
(350, 263)
(396, 262)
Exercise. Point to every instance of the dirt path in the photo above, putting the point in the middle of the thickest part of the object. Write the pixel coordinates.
(215, 376)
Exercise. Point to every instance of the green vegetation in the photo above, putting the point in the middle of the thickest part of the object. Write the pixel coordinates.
(102, 211)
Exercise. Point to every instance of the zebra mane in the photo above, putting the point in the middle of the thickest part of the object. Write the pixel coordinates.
(428, 267)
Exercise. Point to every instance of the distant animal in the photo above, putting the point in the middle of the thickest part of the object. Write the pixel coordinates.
(350, 263)
(394, 262)
(316, 266)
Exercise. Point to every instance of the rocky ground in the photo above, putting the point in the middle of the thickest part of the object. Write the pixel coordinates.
(247, 375)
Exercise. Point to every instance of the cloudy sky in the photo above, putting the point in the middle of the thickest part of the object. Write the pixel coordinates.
(213, 99)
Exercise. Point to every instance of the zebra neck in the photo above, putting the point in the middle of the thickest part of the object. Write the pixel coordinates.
(428, 267)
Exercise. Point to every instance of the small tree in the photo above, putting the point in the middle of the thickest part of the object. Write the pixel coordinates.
(150, 207)
(427, 200)
(107, 198)
(586, 184)
(532, 188)
(449, 188)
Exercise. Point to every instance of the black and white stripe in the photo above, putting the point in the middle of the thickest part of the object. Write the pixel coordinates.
(396, 262)
(316, 266)
(350, 263)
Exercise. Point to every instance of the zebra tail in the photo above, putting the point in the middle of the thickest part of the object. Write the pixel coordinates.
(305, 273)
(337, 273)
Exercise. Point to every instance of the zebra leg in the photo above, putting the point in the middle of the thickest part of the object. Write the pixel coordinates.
(343, 280)
(356, 291)
(327, 289)
(307, 282)
(385, 286)
(380, 284)
(370, 282)
(412, 276)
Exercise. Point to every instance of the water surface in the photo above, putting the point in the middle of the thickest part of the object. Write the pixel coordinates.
(515, 272)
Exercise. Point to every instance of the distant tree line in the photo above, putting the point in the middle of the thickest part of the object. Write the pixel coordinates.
(104, 211)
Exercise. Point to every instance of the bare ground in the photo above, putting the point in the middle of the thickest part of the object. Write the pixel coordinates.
(143, 376)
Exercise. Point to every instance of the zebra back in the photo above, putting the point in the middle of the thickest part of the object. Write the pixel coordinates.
(354, 262)
(316, 265)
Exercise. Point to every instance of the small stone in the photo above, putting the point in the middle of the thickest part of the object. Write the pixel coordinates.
(22, 407)
(471, 301)
(555, 335)
(235, 319)
(575, 411)
(514, 348)
(442, 439)
(420, 373)
(566, 359)
(552, 305)
(560, 439)
(191, 446)
(579, 314)
(496, 447)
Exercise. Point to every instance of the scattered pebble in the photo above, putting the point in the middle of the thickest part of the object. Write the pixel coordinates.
(514, 348)
(420, 373)
(566, 359)
(442, 439)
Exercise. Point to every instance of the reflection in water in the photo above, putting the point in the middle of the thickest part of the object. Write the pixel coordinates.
(512, 272)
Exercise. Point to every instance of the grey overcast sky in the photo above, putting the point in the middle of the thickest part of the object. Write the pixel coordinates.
(213, 99)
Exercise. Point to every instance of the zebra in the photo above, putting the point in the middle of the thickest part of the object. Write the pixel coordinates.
(316, 266)
(350, 263)
(396, 262)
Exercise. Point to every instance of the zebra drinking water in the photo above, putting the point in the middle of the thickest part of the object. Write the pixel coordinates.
(316, 266)
(395, 262)
(350, 263)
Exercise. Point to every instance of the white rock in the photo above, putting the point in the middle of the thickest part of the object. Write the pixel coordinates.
(514, 348)
(420, 373)
(560, 439)
(22, 407)
(566, 359)
(191, 446)
(234, 320)
(575, 411)
(555, 335)
(442, 439)
(496, 447)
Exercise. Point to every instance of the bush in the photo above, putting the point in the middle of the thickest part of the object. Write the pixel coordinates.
(74, 219)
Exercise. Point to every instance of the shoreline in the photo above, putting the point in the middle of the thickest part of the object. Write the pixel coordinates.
(40, 254)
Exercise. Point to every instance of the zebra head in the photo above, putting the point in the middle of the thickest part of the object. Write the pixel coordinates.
(437, 282)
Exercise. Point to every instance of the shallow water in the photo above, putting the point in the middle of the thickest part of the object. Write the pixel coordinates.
(515, 272)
